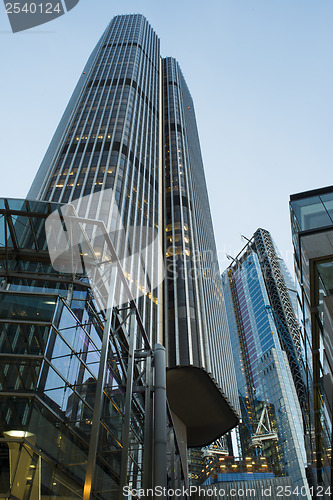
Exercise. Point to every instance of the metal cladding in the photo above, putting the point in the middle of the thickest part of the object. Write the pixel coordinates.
(130, 128)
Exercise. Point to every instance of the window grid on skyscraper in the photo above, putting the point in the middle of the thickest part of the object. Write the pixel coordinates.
(111, 136)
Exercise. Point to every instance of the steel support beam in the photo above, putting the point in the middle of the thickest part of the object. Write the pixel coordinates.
(128, 412)
(93, 445)
(160, 418)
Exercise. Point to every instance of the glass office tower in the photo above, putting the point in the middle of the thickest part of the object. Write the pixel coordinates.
(108, 142)
(312, 231)
(195, 326)
(265, 380)
(109, 159)
(111, 136)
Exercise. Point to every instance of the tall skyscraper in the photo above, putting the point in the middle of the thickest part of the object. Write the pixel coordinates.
(312, 231)
(126, 153)
(255, 291)
(111, 136)
(195, 328)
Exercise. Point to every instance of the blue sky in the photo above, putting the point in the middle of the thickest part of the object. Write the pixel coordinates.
(260, 73)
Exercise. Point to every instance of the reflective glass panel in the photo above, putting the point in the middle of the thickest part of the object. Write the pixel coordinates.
(27, 307)
(311, 213)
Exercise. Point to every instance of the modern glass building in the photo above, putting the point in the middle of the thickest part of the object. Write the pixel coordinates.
(126, 156)
(66, 375)
(271, 414)
(195, 323)
(233, 469)
(111, 136)
(312, 231)
(105, 153)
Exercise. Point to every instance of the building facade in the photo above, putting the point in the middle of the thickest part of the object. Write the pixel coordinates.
(105, 153)
(51, 344)
(111, 136)
(272, 418)
(312, 231)
(195, 323)
(125, 163)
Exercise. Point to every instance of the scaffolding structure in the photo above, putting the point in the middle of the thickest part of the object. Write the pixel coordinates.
(264, 431)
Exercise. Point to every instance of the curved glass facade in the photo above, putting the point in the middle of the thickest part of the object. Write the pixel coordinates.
(263, 372)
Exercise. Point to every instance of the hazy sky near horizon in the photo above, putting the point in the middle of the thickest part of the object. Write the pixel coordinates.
(261, 77)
